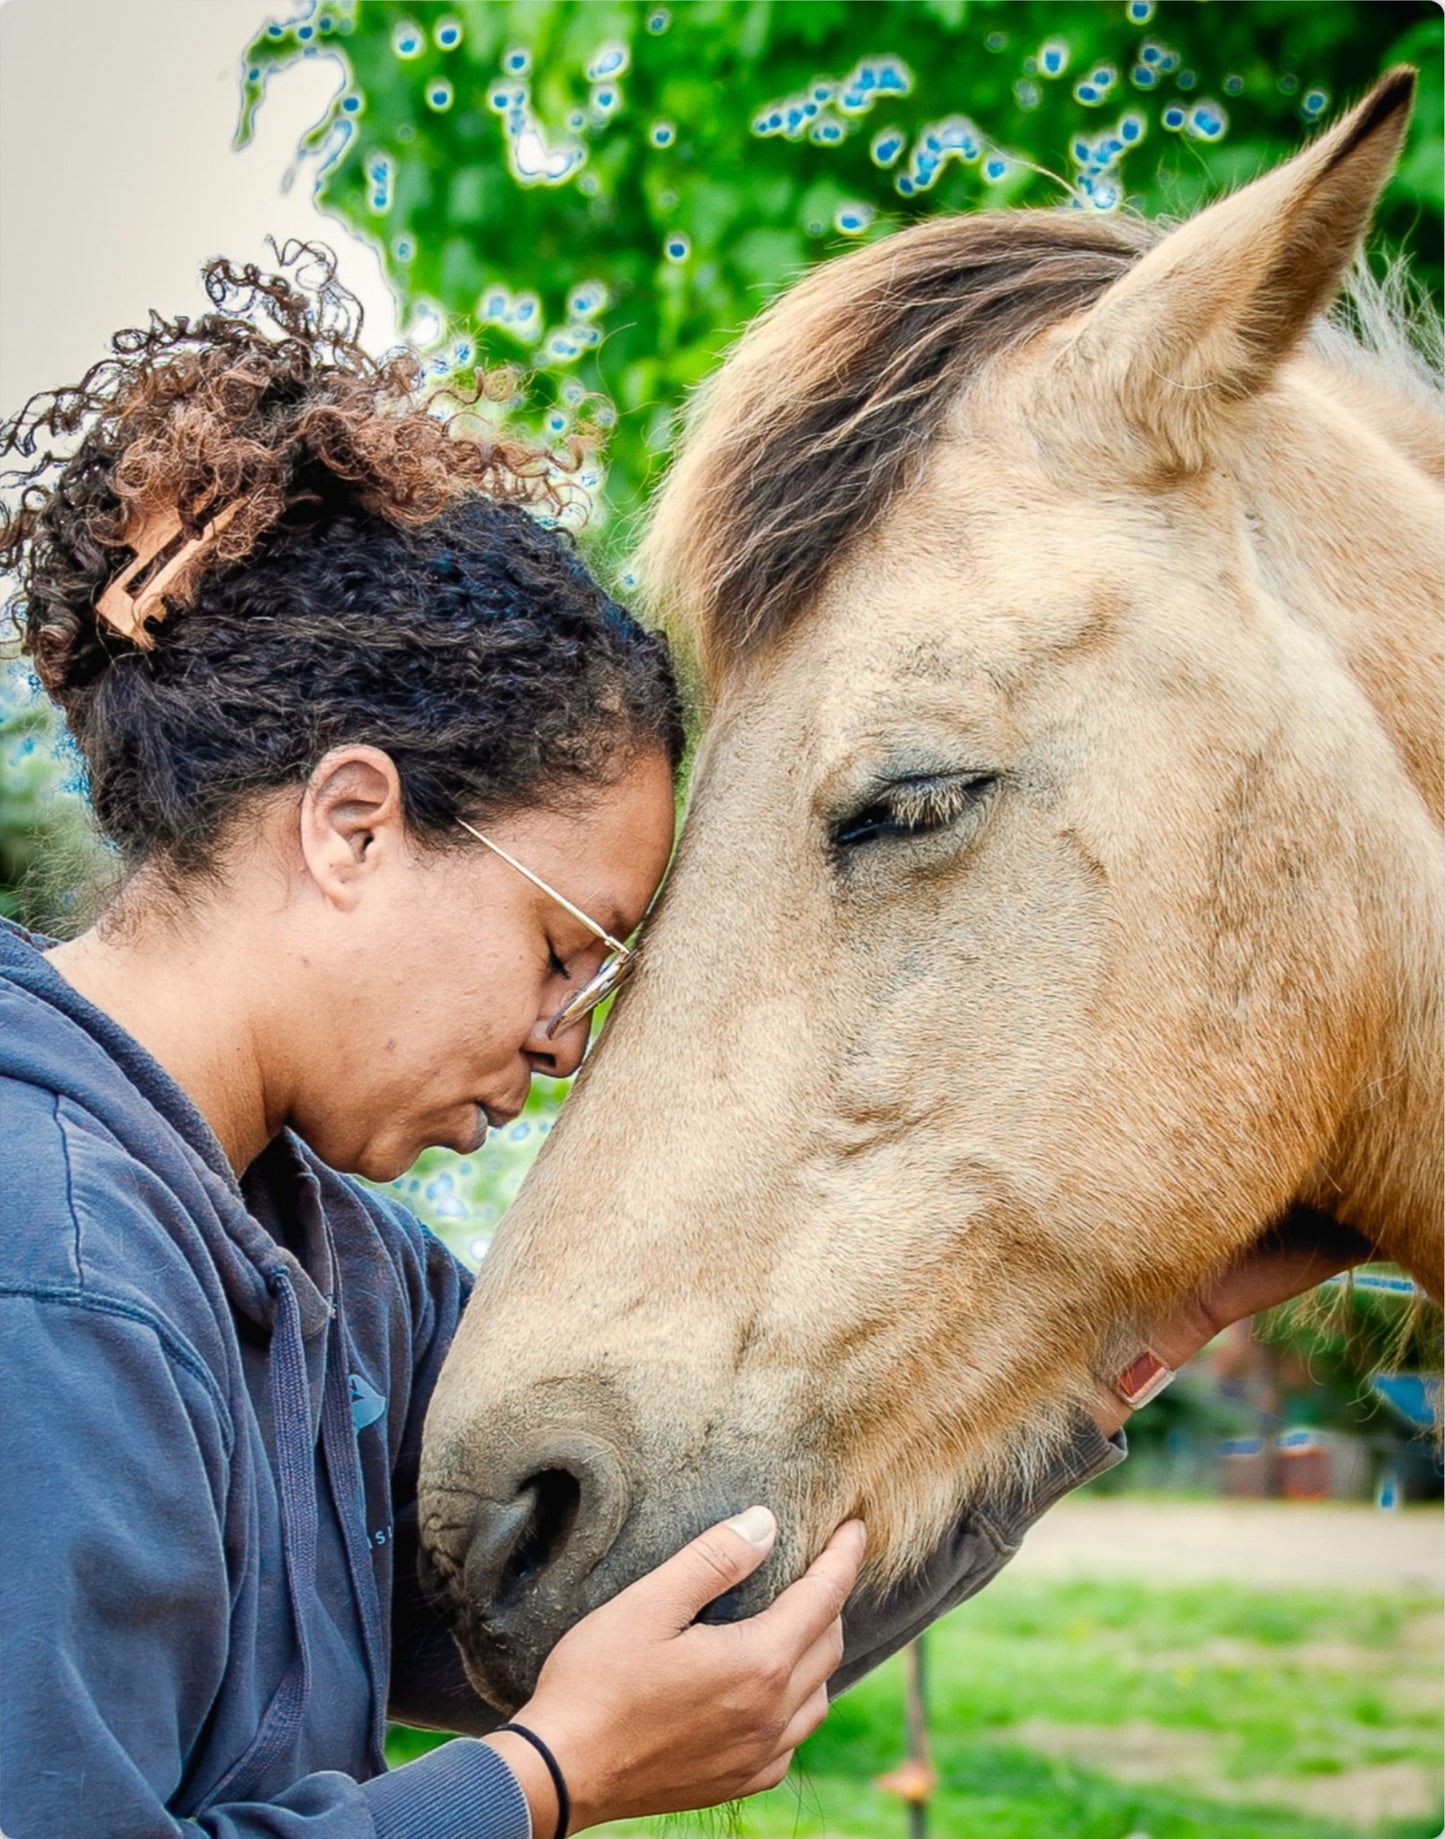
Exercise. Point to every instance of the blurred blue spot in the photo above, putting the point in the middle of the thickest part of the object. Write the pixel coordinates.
(608, 61)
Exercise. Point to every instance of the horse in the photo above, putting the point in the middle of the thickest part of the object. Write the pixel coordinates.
(1058, 908)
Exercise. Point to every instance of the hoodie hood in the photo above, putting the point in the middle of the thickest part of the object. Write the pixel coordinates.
(51, 1037)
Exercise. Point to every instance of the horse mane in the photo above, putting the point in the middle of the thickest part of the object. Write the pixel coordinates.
(822, 412)
(824, 409)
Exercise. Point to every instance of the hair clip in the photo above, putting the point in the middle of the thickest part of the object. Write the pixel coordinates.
(138, 593)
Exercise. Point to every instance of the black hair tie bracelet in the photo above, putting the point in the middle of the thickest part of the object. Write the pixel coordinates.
(564, 1800)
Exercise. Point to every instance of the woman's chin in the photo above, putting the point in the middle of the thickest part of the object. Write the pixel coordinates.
(388, 1158)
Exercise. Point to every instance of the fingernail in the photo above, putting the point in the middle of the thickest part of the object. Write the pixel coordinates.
(756, 1525)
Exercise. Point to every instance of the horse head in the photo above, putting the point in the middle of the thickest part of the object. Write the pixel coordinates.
(1059, 903)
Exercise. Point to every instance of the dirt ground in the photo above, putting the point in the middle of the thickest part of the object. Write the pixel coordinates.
(1307, 1544)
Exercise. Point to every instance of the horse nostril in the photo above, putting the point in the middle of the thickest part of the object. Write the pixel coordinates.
(549, 1533)
(542, 1533)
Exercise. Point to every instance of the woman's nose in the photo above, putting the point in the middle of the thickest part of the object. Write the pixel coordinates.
(558, 1055)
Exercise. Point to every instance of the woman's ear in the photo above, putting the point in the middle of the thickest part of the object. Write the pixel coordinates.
(352, 823)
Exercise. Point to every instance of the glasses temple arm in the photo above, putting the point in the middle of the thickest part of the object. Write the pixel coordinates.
(561, 899)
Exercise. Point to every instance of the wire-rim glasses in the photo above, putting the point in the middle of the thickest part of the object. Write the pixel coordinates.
(609, 975)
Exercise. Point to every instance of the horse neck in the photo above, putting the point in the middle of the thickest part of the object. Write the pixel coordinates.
(1346, 508)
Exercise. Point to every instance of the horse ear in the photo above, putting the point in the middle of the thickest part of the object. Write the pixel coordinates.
(1205, 317)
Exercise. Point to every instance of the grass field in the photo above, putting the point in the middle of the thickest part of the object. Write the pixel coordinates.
(1118, 1710)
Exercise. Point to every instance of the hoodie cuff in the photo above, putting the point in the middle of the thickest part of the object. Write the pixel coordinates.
(1087, 1453)
(462, 1790)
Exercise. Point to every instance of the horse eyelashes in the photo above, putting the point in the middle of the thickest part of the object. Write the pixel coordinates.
(930, 806)
(913, 808)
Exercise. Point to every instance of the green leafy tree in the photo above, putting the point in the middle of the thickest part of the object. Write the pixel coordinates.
(48, 851)
(607, 191)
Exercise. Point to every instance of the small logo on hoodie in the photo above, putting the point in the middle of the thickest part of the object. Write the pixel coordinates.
(367, 1404)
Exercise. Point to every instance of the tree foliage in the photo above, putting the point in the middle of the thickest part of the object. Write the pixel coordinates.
(607, 191)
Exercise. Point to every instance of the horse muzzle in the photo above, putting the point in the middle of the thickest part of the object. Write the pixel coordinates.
(524, 1532)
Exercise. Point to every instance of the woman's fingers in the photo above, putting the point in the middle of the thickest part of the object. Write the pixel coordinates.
(820, 1662)
(1301, 1252)
(805, 1720)
(1293, 1258)
(768, 1777)
(801, 1613)
(657, 1712)
(705, 1569)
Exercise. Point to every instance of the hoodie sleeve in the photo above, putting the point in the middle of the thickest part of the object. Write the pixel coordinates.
(428, 1686)
(115, 1602)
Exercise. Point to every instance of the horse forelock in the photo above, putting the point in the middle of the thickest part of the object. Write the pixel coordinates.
(821, 414)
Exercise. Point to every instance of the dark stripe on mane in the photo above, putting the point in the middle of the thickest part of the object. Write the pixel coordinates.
(823, 412)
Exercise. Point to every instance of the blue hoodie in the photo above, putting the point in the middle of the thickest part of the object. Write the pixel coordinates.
(213, 1402)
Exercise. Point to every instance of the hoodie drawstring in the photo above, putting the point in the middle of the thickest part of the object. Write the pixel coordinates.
(296, 1473)
(348, 1492)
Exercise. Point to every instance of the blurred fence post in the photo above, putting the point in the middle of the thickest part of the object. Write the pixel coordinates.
(914, 1781)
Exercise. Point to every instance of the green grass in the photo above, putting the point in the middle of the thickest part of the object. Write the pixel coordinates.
(1100, 1710)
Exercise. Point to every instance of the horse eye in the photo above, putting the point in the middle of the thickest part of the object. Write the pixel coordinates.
(911, 808)
(870, 824)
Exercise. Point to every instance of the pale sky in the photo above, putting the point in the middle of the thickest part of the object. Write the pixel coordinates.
(118, 178)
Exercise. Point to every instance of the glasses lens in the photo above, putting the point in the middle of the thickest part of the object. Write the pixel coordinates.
(596, 990)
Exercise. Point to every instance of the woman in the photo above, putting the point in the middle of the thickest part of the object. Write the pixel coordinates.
(387, 776)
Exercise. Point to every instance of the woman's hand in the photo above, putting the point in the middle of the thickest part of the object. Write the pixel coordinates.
(1301, 1252)
(648, 1710)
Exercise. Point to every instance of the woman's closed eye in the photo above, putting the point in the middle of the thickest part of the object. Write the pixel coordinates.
(575, 966)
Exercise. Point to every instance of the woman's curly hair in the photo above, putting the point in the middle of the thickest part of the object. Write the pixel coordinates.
(382, 578)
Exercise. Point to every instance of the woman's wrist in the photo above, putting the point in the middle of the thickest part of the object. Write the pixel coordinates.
(1177, 1342)
(533, 1778)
